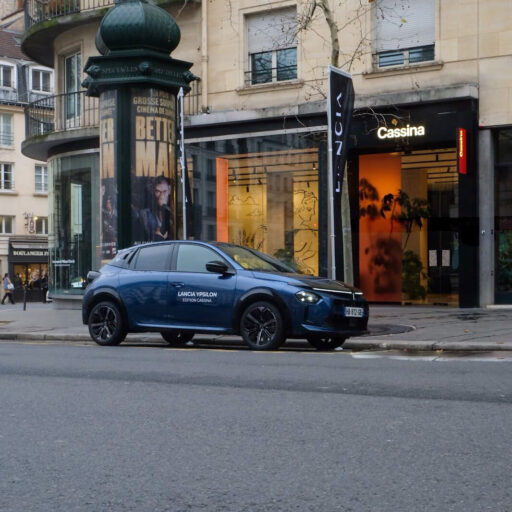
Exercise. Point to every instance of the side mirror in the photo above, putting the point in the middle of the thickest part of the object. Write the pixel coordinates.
(91, 276)
(217, 267)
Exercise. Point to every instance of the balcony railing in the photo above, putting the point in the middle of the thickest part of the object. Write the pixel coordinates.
(9, 95)
(60, 113)
(65, 112)
(43, 10)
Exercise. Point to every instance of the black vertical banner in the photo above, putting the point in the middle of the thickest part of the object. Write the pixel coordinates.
(340, 105)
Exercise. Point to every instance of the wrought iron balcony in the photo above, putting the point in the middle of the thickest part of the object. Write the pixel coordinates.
(37, 11)
(71, 111)
(60, 113)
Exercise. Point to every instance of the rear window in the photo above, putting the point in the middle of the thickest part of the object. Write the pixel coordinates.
(153, 257)
(122, 258)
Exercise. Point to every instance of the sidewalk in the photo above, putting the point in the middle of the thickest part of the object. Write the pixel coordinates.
(390, 327)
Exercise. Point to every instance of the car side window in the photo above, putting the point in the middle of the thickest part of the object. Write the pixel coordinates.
(154, 257)
(193, 258)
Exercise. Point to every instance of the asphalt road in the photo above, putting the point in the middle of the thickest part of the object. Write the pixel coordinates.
(86, 428)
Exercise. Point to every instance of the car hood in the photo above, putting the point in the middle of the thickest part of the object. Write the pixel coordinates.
(318, 283)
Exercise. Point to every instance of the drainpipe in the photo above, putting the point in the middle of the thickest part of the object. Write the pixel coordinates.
(204, 56)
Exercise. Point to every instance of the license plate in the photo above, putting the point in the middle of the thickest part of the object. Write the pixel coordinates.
(354, 312)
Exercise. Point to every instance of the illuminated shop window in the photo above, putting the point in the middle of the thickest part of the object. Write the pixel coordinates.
(267, 196)
(408, 227)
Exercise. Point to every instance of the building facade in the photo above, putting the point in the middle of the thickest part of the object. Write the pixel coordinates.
(430, 162)
(23, 181)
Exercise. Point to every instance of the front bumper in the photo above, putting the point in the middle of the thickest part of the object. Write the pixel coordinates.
(327, 317)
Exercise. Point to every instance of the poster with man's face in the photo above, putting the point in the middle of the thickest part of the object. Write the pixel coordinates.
(153, 192)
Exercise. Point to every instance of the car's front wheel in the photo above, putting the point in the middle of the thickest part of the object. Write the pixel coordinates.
(106, 324)
(326, 343)
(177, 338)
(262, 326)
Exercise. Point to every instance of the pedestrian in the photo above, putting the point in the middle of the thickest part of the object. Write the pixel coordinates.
(8, 288)
(44, 286)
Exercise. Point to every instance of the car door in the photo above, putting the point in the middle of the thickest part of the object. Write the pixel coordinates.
(144, 287)
(200, 298)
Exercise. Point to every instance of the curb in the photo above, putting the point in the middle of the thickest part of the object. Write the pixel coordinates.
(353, 343)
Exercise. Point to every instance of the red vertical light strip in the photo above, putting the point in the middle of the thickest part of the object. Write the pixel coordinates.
(462, 150)
(222, 200)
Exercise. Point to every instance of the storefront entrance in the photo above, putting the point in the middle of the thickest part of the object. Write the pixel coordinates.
(408, 227)
(28, 268)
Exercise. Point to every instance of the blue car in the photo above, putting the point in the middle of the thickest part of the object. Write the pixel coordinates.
(180, 288)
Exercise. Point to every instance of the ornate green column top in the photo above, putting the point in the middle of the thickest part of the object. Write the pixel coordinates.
(135, 39)
(137, 24)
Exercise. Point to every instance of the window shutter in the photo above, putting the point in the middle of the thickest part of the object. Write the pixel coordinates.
(401, 24)
(272, 30)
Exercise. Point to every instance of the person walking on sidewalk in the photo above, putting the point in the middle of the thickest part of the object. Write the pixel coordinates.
(8, 288)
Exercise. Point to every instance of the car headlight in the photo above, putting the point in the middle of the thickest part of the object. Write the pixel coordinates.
(307, 297)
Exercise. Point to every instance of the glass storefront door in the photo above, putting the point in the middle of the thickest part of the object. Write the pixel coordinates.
(74, 230)
(503, 221)
(408, 235)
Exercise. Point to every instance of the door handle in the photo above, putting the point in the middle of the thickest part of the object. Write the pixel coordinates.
(178, 285)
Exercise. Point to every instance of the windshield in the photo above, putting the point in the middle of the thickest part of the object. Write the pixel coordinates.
(250, 259)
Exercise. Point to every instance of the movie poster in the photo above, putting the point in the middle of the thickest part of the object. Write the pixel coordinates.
(153, 191)
(108, 175)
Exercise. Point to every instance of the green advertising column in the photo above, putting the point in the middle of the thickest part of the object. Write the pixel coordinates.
(137, 83)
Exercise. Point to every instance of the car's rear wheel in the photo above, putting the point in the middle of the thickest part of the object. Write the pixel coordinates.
(325, 343)
(177, 338)
(106, 324)
(262, 326)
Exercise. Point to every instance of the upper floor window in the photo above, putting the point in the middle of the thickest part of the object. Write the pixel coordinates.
(41, 178)
(6, 130)
(6, 224)
(6, 177)
(41, 80)
(41, 225)
(272, 46)
(404, 32)
(7, 76)
(72, 87)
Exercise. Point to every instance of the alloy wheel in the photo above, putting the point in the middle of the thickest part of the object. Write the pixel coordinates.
(262, 326)
(105, 324)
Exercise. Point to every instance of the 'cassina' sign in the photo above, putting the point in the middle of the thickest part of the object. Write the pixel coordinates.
(395, 133)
